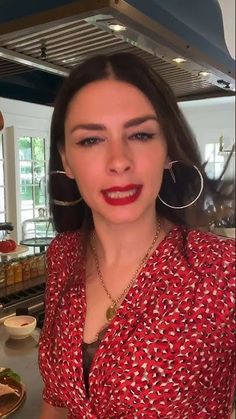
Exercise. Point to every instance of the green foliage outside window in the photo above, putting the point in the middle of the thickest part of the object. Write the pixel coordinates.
(32, 172)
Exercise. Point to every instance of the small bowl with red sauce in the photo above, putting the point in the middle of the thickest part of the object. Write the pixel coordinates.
(20, 327)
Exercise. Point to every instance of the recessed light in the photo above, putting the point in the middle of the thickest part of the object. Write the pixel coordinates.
(69, 60)
(116, 27)
(204, 73)
(179, 60)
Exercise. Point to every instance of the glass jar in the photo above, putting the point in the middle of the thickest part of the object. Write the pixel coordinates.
(25, 263)
(9, 273)
(17, 271)
(2, 275)
(33, 267)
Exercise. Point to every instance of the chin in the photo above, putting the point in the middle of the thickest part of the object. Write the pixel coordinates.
(124, 216)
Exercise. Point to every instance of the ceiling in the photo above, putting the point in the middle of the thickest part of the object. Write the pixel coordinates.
(40, 42)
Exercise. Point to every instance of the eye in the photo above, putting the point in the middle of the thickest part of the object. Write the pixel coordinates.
(142, 136)
(90, 141)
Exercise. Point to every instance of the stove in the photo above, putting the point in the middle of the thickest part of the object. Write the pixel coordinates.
(24, 301)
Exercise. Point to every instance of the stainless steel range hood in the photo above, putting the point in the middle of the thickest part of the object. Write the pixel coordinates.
(41, 41)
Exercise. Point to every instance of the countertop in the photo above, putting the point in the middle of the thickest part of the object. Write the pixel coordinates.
(22, 357)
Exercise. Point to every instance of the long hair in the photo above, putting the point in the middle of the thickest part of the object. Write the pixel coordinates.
(181, 143)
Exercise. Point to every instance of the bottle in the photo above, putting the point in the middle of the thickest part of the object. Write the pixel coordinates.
(25, 263)
(2, 276)
(17, 267)
(9, 273)
(33, 267)
(41, 264)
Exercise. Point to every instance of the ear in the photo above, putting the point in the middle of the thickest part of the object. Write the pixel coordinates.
(66, 165)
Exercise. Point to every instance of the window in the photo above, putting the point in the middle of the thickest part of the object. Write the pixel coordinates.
(33, 188)
(2, 184)
(215, 160)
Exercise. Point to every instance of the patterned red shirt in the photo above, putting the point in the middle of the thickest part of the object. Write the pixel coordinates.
(170, 350)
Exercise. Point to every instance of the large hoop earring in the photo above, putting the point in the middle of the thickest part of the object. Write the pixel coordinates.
(174, 180)
(63, 203)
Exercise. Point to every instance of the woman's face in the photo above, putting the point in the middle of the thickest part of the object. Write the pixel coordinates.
(115, 150)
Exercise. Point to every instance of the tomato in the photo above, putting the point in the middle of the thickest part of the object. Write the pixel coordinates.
(7, 246)
(13, 244)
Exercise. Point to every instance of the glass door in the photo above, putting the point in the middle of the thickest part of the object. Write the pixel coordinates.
(33, 187)
(2, 184)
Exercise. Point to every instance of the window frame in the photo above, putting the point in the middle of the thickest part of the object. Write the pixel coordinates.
(12, 171)
(3, 186)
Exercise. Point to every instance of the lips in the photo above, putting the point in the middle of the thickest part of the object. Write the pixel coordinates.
(122, 195)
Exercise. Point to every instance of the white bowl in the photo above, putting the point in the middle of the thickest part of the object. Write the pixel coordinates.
(20, 327)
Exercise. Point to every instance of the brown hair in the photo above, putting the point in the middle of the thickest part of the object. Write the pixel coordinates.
(181, 143)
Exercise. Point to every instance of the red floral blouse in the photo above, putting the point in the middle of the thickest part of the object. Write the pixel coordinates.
(170, 350)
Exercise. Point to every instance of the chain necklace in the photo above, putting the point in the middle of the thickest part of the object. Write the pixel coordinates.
(112, 309)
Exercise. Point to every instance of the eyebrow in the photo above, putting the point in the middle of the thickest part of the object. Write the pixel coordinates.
(131, 123)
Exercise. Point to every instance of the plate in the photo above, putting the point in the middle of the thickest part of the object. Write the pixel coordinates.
(20, 248)
(8, 404)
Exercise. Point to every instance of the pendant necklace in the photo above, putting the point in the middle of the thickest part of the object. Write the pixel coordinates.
(112, 309)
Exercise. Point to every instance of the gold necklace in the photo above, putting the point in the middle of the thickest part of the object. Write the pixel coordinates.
(112, 309)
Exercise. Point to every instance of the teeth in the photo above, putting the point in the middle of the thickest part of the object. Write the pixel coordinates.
(120, 194)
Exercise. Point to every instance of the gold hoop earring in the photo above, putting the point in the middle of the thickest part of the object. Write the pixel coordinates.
(66, 203)
(174, 180)
(60, 202)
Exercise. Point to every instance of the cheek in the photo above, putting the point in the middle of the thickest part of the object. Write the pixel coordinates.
(86, 179)
(153, 171)
(154, 166)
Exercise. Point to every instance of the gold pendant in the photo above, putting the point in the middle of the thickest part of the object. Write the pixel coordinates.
(110, 313)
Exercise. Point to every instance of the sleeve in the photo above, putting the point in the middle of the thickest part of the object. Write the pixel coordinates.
(213, 258)
(58, 255)
(53, 281)
(227, 283)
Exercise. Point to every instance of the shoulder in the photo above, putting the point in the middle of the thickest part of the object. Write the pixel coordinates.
(205, 249)
(213, 259)
(65, 251)
(210, 269)
(65, 240)
(63, 255)
(63, 247)
(207, 257)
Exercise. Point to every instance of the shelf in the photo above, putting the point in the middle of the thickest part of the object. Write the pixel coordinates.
(21, 286)
(20, 248)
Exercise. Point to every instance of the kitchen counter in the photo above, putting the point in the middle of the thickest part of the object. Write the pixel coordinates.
(22, 357)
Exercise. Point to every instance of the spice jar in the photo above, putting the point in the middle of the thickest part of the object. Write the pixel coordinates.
(2, 275)
(17, 267)
(41, 264)
(25, 263)
(9, 273)
(33, 267)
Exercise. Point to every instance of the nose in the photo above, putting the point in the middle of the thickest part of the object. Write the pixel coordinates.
(119, 159)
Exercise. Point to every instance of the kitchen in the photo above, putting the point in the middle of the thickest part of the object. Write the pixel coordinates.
(31, 120)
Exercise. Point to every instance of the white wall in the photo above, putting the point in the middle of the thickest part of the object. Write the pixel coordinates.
(211, 118)
(228, 15)
(24, 115)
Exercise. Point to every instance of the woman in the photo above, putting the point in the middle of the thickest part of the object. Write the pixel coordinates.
(139, 306)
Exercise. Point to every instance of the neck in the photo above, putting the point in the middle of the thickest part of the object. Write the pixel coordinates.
(122, 244)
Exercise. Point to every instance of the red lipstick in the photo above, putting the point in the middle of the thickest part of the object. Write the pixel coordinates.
(122, 195)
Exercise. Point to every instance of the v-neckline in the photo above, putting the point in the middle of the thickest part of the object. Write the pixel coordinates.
(159, 248)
